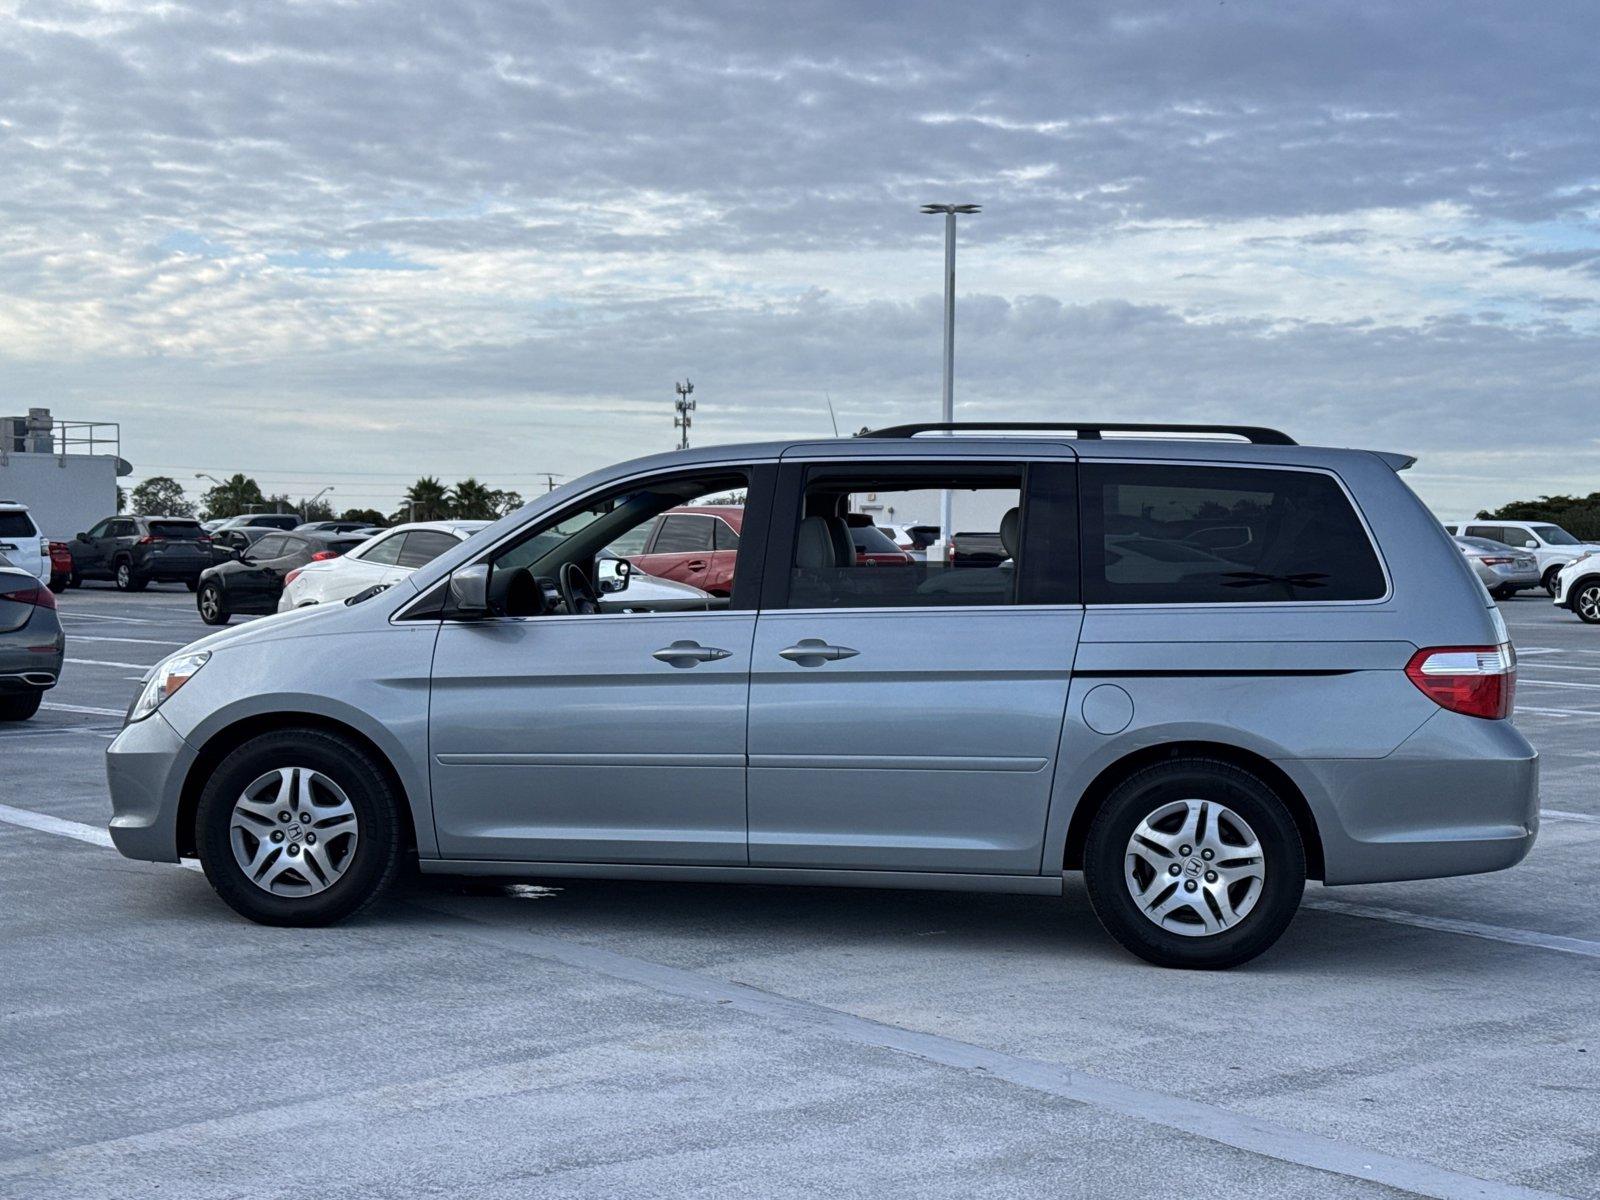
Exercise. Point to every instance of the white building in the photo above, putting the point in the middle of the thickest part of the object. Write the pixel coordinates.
(64, 471)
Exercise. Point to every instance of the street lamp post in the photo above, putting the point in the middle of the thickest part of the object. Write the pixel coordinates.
(213, 478)
(948, 404)
(305, 508)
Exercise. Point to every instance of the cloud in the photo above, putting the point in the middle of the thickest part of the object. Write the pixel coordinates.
(487, 237)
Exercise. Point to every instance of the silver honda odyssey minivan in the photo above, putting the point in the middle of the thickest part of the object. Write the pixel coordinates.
(1205, 665)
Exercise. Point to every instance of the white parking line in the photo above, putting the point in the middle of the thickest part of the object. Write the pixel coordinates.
(83, 616)
(59, 826)
(101, 662)
(1524, 681)
(83, 708)
(1559, 712)
(1563, 815)
(1493, 933)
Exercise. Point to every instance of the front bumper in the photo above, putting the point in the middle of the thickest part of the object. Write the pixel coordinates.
(1459, 797)
(145, 768)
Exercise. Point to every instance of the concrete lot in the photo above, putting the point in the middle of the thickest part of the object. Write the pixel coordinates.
(1436, 1038)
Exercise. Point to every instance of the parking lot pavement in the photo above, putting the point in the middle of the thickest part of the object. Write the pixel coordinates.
(1435, 1038)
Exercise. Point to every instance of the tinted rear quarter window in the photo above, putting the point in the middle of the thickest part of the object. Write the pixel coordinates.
(423, 546)
(16, 524)
(683, 534)
(1228, 535)
(271, 546)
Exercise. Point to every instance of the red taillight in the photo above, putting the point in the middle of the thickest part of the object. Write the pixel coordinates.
(292, 576)
(1478, 681)
(324, 555)
(1498, 561)
(39, 597)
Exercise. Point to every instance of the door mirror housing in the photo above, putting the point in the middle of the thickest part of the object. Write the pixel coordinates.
(84, 538)
(469, 591)
(1530, 544)
(612, 575)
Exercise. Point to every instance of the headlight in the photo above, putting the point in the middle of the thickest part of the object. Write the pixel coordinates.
(170, 675)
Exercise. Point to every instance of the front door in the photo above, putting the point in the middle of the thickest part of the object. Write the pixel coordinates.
(587, 739)
(580, 736)
(908, 717)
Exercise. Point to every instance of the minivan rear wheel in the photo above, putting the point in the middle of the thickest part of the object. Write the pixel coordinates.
(1194, 863)
(299, 827)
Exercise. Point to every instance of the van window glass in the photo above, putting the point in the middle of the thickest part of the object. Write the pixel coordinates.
(423, 546)
(1210, 535)
(839, 559)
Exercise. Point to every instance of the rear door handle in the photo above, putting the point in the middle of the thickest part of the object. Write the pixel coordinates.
(813, 652)
(697, 564)
(687, 654)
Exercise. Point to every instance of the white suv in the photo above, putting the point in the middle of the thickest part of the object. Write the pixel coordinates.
(385, 558)
(1552, 545)
(21, 543)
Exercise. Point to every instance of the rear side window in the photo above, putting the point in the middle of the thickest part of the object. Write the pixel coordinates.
(727, 539)
(271, 546)
(683, 534)
(423, 546)
(387, 552)
(1221, 535)
(17, 524)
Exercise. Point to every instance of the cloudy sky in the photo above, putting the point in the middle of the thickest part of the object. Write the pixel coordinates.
(350, 243)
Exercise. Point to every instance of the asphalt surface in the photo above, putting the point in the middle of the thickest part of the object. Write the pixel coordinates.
(598, 1039)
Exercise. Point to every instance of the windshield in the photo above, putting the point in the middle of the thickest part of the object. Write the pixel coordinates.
(1554, 535)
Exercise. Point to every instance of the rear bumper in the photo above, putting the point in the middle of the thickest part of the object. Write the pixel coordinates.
(145, 768)
(1459, 797)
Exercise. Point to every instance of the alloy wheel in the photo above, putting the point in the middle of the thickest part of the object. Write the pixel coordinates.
(124, 576)
(1589, 603)
(1194, 867)
(210, 603)
(293, 832)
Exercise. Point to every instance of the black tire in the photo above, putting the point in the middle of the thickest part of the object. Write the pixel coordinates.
(58, 584)
(122, 574)
(212, 604)
(20, 708)
(192, 584)
(1502, 593)
(1584, 599)
(375, 860)
(1216, 783)
(74, 580)
(1549, 581)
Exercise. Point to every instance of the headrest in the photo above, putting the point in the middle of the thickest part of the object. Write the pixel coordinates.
(814, 549)
(1009, 524)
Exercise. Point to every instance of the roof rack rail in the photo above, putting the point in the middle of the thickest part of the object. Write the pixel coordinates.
(1090, 430)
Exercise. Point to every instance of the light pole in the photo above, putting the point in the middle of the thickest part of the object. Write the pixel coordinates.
(948, 406)
(305, 507)
(213, 478)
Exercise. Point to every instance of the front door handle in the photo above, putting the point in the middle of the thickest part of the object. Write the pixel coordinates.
(687, 654)
(813, 652)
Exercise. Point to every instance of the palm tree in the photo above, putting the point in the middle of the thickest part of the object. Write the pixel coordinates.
(425, 500)
(472, 501)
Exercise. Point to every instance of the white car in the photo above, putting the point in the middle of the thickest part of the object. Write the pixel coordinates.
(1578, 588)
(383, 559)
(1552, 545)
(21, 543)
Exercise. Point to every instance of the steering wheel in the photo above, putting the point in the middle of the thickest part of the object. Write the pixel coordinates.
(577, 593)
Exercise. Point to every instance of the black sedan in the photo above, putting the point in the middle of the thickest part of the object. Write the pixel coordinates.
(253, 582)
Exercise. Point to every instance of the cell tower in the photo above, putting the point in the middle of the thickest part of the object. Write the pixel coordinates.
(683, 406)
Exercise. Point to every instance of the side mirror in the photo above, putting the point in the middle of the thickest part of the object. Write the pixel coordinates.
(612, 575)
(469, 591)
(1530, 544)
(84, 538)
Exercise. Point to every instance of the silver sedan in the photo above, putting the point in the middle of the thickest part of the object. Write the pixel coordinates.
(1504, 571)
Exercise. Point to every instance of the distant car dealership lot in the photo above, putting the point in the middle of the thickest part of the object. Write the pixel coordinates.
(634, 1036)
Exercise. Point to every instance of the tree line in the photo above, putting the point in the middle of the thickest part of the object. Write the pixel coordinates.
(1578, 515)
(428, 499)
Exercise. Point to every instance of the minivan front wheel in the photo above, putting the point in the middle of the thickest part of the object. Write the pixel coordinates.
(299, 827)
(1194, 863)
